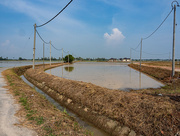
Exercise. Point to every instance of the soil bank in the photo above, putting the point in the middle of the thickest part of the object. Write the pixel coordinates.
(37, 113)
(117, 112)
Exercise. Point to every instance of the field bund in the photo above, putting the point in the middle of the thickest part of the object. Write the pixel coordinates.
(116, 112)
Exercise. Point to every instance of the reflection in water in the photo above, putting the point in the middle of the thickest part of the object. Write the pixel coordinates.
(109, 75)
(69, 69)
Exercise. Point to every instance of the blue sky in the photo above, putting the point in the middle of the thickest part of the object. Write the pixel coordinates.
(88, 28)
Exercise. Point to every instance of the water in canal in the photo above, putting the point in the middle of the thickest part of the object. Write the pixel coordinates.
(109, 75)
(96, 131)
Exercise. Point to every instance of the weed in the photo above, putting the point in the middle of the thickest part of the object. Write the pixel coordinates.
(16, 93)
(27, 107)
(89, 132)
(75, 126)
(48, 129)
(51, 135)
(40, 120)
(65, 111)
(57, 123)
(8, 78)
(11, 84)
(30, 113)
(23, 100)
(31, 118)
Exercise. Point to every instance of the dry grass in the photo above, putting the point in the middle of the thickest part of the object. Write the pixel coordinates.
(37, 113)
(146, 114)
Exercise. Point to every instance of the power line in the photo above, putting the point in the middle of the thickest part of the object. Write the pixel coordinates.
(56, 48)
(55, 15)
(150, 53)
(135, 50)
(41, 37)
(65, 51)
(159, 25)
(137, 46)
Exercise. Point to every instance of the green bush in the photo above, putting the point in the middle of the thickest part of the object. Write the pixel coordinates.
(71, 58)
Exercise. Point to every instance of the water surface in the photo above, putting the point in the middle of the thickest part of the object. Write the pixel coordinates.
(109, 75)
(9, 64)
(89, 126)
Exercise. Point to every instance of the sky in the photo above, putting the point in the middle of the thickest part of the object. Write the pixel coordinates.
(88, 28)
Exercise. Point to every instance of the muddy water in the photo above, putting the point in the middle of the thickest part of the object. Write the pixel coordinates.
(83, 123)
(109, 75)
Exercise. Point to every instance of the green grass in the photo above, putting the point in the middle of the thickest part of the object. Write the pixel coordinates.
(40, 120)
(17, 93)
(23, 101)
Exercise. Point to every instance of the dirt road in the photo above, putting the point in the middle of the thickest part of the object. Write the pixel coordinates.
(7, 110)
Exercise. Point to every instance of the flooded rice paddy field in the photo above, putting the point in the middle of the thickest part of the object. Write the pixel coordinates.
(109, 75)
(9, 64)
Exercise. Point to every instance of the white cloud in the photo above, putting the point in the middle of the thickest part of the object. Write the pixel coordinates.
(115, 38)
(6, 43)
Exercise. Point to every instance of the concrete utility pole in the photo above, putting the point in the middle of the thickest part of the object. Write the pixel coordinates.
(50, 53)
(43, 54)
(173, 51)
(34, 45)
(141, 53)
(62, 55)
(68, 57)
(130, 55)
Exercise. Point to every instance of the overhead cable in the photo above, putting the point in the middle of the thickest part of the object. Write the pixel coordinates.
(135, 50)
(65, 51)
(42, 38)
(137, 46)
(158, 26)
(55, 15)
(176, 2)
(56, 48)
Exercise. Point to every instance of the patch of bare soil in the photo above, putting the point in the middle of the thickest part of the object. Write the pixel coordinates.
(36, 112)
(146, 114)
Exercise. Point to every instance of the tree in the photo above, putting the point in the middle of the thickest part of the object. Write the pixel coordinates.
(71, 58)
(20, 58)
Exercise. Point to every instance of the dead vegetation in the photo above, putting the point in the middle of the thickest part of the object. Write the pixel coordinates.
(37, 113)
(144, 113)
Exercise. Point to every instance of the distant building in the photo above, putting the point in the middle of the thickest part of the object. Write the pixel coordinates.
(119, 60)
(126, 59)
(112, 60)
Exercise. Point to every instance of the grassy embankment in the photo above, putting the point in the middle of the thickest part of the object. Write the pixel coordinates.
(36, 112)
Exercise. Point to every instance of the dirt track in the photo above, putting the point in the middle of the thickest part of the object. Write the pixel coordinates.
(7, 110)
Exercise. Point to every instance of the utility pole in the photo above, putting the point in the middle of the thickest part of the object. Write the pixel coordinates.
(141, 53)
(50, 53)
(34, 45)
(130, 54)
(43, 54)
(62, 55)
(68, 57)
(173, 51)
